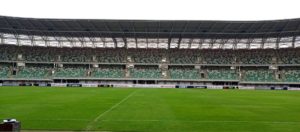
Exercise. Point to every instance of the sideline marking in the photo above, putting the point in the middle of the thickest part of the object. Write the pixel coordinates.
(208, 121)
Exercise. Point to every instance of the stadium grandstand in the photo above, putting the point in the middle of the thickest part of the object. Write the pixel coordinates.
(149, 52)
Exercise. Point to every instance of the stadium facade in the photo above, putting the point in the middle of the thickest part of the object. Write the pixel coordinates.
(151, 53)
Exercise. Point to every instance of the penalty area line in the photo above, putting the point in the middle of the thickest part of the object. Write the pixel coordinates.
(90, 125)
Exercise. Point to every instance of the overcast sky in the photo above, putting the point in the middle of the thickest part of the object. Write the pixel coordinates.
(153, 9)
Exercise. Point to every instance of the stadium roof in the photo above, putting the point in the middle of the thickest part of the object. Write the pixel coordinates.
(161, 34)
(149, 28)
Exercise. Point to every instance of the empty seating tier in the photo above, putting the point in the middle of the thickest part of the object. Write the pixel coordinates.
(33, 72)
(222, 74)
(291, 75)
(259, 75)
(4, 71)
(70, 72)
(145, 72)
(184, 73)
(108, 72)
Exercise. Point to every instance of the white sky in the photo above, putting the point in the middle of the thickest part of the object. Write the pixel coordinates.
(153, 9)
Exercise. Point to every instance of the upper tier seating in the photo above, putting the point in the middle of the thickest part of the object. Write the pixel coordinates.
(173, 56)
(7, 53)
(255, 57)
(75, 55)
(111, 56)
(291, 56)
(151, 56)
(39, 54)
(218, 57)
(183, 57)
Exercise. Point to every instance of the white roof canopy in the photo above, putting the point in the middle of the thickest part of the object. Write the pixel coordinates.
(155, 43)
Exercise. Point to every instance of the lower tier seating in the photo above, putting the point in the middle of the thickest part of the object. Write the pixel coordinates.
(70, 72)
(184, 73)
(4, 71)
(114, 72)
(248, 74)
(222, 74)
(33, 72)
(291, 76)
(145, 72)
(259, 76)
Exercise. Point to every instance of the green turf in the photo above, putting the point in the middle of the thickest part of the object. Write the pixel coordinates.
(157, 110)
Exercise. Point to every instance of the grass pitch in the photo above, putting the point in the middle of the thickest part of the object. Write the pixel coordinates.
(157, 110)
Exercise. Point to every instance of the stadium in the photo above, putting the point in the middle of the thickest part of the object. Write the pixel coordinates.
(112, 53)
(150, 75)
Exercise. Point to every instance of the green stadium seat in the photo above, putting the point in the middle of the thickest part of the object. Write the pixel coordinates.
(111, 56)
(146, 57)
(292, 75)
(4, 71)
(222, 74)
(145, 72)
(255, 57)
(259, 75)
(33, 72)
(183, 57)
(218, 57)
(70, 72)
(108, 72)
(184, 73)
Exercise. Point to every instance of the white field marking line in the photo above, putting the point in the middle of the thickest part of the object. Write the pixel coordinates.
(110, 109)
(58, 119)
(211, 121)
(56, 131)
